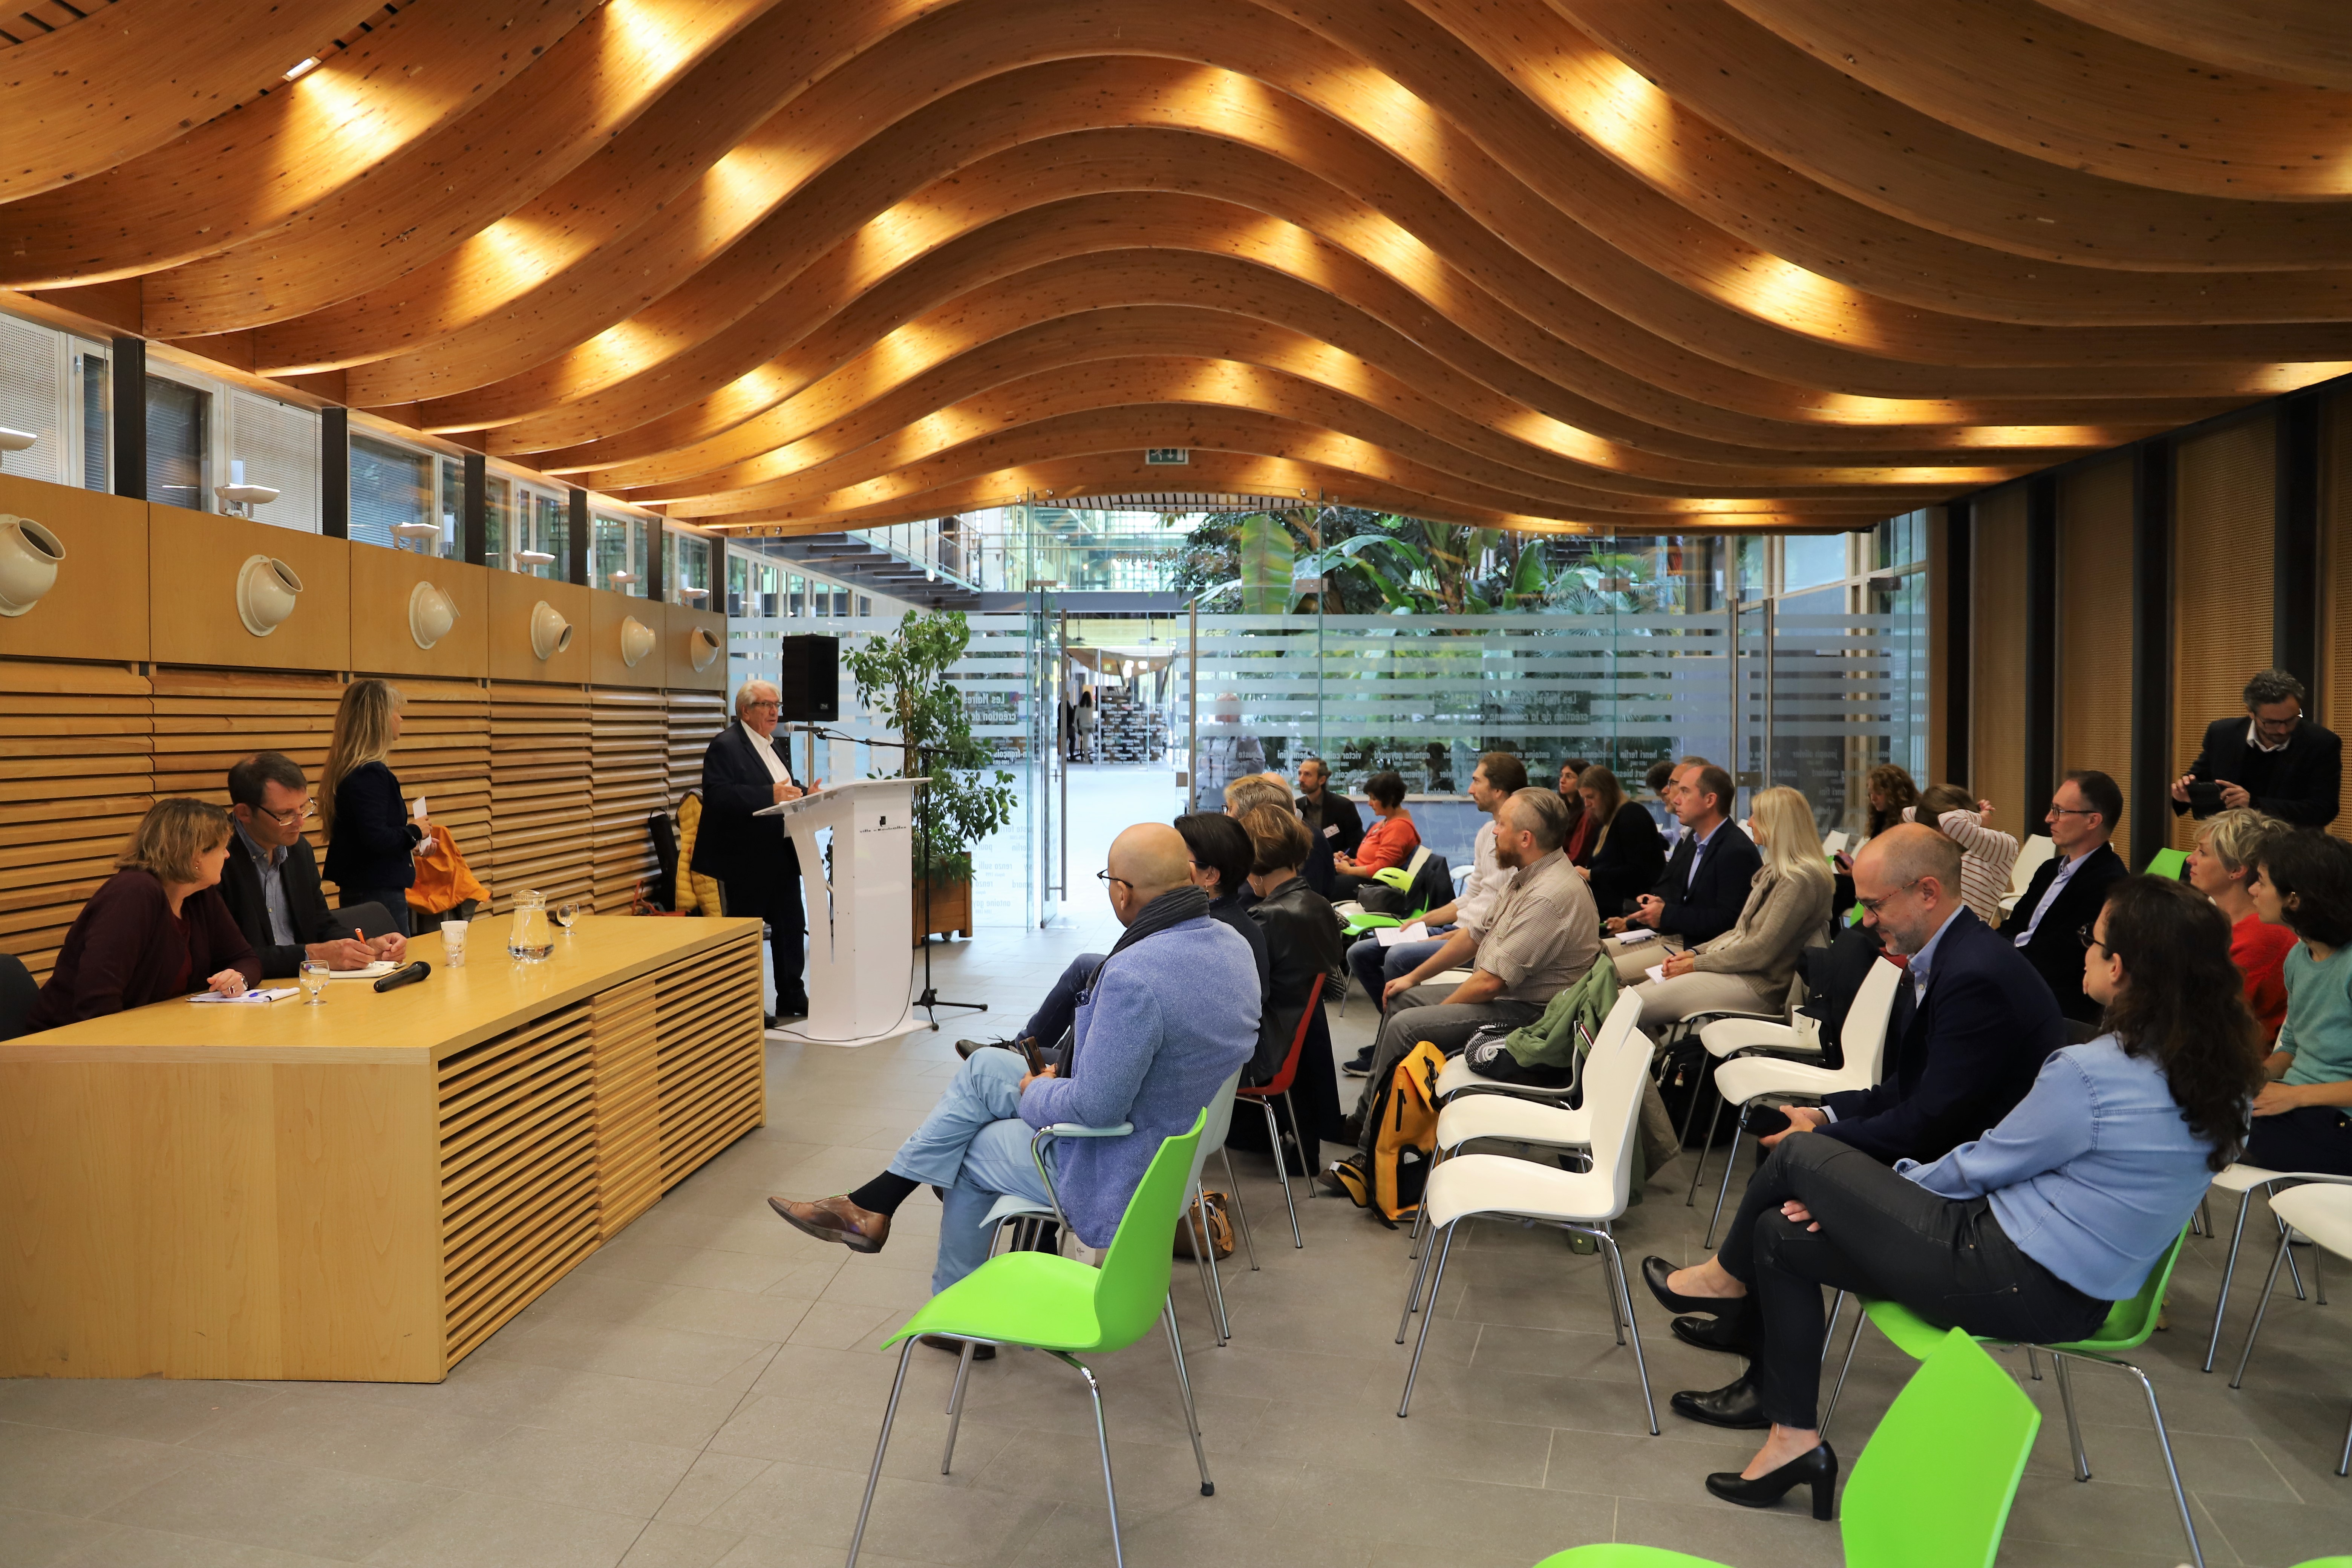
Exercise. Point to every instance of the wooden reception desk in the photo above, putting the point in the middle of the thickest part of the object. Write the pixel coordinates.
(363, 1190)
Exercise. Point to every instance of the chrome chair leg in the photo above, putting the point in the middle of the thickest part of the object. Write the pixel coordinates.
(2229, 1273)
(955, 1403)
(1241, 1212)
(2344, 1465)
(1306, 1155)
(1633, 1330)
(1282, 1171)
(1196, 1226)
(2261, 1308)
(1860, 1317)
(1216, 1280)
(1829, 1332)
(2073, 1421)
(1412, 1291)
(2171, 1470)
(1699, 1158)
(881, 1445)
(1102, 1441)
(1184, 1387)
(1428, 1312)
(2032, 1364)
(1730, 1164)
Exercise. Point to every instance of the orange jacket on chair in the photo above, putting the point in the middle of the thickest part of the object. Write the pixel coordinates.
(443, 881)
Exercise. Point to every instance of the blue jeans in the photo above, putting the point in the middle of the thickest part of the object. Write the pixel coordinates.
(974, 1147)
(1374, 965)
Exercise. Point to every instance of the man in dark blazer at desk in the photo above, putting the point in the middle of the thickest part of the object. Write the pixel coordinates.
(1705, 885)
(2271, 759)
(270, 880)
(745, 771)
(2066, 892)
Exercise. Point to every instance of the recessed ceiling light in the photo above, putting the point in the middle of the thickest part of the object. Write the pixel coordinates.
(304, 68)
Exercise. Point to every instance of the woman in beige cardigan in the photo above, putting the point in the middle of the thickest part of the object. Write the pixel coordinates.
(1749, 968)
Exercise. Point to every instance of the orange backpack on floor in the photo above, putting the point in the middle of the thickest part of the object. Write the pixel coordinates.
(1404, 1118)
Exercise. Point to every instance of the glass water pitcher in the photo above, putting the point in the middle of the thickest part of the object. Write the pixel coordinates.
(531, 940)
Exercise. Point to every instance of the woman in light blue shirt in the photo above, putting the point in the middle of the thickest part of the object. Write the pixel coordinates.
(2303, 1119)
(2030, 1232)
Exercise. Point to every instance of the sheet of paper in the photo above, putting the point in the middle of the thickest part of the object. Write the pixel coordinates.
(1638, 935)
(1389, 936)
(1656, 972)
(420, 808)
(381, 966)
(265, 993)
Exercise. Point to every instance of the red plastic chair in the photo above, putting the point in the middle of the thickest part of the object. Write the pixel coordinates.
(1263, 1094)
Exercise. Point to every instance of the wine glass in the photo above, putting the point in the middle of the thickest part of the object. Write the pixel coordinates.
(566, 913)
(314, 981)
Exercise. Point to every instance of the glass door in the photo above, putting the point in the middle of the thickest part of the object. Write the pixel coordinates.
(1045, 781)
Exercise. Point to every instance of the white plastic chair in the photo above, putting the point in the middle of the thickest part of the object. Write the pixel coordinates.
(1581, 1202)
(2322, 1212)
(1744, 1078)
(2035, 848)
(2244, 1181)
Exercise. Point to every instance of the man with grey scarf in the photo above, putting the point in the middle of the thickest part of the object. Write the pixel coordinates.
(1168, 1016)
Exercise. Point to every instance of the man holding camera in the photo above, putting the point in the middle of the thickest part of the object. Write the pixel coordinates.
(2273, 759)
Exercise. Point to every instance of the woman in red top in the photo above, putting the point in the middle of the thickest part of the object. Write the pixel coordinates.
(1390, 841)
(2220, 867)
(157, 928)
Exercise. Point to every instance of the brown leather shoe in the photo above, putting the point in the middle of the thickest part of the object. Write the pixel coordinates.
(836, 1219)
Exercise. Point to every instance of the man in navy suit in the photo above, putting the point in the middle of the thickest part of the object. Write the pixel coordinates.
(744, 771)
(1971, 1023)
(2067, 890)
(1705, 885)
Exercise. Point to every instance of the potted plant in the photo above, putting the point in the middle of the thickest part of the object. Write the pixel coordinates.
(902, 678)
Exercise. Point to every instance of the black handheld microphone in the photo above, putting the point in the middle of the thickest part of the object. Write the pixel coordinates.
(408, 976)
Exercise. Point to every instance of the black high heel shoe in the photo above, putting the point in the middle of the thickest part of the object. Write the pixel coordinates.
(1817, 1467)
(1657, 1271)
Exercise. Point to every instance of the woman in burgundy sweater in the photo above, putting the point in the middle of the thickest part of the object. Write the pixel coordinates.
(157, 928)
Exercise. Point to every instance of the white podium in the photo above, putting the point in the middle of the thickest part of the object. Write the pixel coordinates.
(860, 916)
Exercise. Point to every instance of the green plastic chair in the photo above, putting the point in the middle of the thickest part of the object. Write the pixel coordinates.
(1038, 1301)
(1933, 1488)
(1359, 924)
(2128, 1325)
(2168, 864)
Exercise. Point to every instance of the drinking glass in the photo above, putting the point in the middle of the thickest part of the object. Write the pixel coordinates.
(314, 981)
(453, 944)
(566, 913)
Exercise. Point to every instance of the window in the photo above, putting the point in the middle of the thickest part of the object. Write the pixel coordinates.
(864, 606)
(453, 510)
(542, 526)
(275, 443)
(96, 434)
(391, 486)
(32, 399)
(179, 433)
(738, 586)
(620, 547)
(686, 568)
(792, 596)
(1809, 560)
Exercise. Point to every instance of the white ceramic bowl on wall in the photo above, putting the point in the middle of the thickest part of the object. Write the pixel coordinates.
(30, 556)
(550, 634)
(636, 641)
(701, 648)
(431, 613)
(267, 590)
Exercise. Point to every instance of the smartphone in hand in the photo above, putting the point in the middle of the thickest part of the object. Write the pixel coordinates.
(1764, 1121)
(1031, 1054)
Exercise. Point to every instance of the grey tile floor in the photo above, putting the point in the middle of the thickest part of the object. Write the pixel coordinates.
(707, 1391)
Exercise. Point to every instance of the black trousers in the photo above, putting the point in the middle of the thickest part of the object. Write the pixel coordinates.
(1945, 1258)
(778, 903)
(2312, 1138)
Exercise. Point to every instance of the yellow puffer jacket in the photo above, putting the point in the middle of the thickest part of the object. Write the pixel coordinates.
(695, 894)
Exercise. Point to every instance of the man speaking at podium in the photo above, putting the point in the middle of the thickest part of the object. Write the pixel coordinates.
(759, 872)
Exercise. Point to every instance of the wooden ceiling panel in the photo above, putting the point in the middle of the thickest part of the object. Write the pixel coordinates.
(1529, 263)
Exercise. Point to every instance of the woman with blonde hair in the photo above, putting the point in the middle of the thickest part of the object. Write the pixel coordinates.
(157, 928)
(1987, 854)
(370, 834)
(1749, 968)
(2221, 866)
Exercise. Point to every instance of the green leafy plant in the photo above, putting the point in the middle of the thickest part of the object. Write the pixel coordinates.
(902, 676)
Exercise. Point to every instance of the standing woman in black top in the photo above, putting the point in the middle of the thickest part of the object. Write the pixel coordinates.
(370, 834)
(1629, 854)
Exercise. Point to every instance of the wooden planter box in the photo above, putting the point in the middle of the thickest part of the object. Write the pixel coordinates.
(950, 909)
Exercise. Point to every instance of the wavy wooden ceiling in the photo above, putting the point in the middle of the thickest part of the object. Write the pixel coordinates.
(1622, 264)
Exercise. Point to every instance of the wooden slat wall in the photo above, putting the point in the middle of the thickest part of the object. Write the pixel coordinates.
(629, 744)
(1997, 644)
(2336, 564)
(541, 827)
(694, 719)
(2094, 623)
(2222, 550)
(77, 773)
(444, 755)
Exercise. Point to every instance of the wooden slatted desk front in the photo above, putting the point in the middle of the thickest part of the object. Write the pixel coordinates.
(363, 1190)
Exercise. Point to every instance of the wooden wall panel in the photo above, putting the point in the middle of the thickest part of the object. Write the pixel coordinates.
(1997, 646)
(205, 719)
(98, 608)
(199, 556)
(511, 657)
(628, 740)
(76, 775)
(2094, 623)
(2334, 709)
(694, 719)
(382, 581)
(678, 649)
(444, 755)
(541, 815)
(2222, 546)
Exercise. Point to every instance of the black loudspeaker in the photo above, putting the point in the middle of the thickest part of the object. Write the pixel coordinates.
(811, 680)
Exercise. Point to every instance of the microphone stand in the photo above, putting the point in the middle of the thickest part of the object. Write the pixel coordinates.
(930, 1001)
